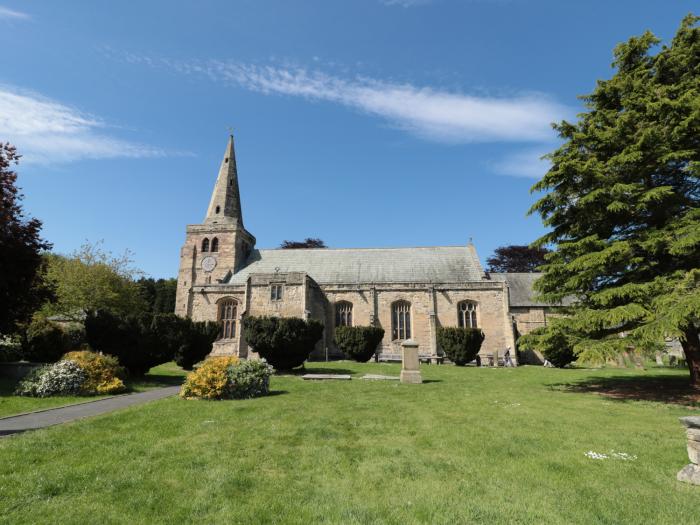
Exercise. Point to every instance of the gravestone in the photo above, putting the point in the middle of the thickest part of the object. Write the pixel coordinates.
(691, 472)
(410, 372)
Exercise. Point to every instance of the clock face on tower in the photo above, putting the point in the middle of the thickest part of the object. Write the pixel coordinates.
(208, 264)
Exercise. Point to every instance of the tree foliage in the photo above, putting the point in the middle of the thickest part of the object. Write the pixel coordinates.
(461, 345)
(358, 342)
(517, 259)
(621, 202)
(285, 342)
(92, 279)
(555, 342)
(22, 286)
(309, 242)
(158, 294)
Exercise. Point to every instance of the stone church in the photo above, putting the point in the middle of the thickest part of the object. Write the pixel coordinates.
(407, 291)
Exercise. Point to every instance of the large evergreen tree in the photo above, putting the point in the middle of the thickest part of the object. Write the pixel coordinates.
(622, 202)
(22, 287)
(517, 258)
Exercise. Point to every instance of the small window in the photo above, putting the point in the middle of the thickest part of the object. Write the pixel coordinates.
(218, 209)
(228, 310)
(215, 244)
(401, 320)
(205, 245)
(276, 292)
(343, 313)
(226, 160)
(466, 314)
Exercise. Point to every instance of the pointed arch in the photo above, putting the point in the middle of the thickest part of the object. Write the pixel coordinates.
(466, 314)
(205, 244)
(215, 244)
(401, 320)
(227, 317)
(343, 313)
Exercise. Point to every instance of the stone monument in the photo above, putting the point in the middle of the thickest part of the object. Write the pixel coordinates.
(691, 473)
(410, 372)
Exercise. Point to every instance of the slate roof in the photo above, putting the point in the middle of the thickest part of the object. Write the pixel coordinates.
(439, 264)
(521, 288)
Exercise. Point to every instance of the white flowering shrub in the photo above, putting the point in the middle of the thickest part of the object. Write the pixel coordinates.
(249, 379)
(10, 348)
(64, 378)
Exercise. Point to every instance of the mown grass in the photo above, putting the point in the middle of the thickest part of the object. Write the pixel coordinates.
(163, 375)
(468, 446)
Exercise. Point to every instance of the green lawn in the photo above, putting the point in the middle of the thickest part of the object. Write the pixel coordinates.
(468, 446)
(163, 375)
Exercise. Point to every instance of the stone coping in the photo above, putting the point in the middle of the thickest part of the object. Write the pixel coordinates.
(691, 421)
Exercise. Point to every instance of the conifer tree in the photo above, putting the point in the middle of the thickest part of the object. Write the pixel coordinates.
(622, 201)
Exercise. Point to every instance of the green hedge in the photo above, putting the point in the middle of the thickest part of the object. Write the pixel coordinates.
(285, 342)
(358, 342)
(461, 345)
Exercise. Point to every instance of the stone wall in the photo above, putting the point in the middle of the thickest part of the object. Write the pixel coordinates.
(372, 304)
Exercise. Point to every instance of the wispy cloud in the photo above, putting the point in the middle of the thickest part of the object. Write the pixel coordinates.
(525, 163)
(7, 13)
(430, 113)
(47, 131)
(406, 3)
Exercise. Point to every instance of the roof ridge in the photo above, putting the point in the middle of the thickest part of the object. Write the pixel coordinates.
(355, 249)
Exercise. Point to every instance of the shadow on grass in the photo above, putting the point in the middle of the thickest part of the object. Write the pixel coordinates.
(154, 380)
(276, 393)
(663, 389)
(316, 370)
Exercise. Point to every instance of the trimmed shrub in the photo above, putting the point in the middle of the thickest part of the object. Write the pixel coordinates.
(210, 380)
(45, 341)
(284, 342)
(140, 343)
(358, 342)
(195, 342)
(249, 379)
(553, 342)
(461, 345)
(64, 378)
(103, 373)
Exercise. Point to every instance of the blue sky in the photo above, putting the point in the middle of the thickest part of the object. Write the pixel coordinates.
(362, 122)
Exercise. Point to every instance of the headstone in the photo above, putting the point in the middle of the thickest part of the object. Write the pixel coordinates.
(659, 359)
(691, 473)
(379, 377)
(410, 372)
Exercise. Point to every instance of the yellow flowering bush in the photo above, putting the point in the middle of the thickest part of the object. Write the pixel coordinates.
(103, 373)
(209, 380)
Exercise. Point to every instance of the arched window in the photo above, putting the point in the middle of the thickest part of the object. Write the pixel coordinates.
(215, 244)
(218, 209)
(401, 320)
(205, 245)
(228, 309)
(343, 313)
(466, 314)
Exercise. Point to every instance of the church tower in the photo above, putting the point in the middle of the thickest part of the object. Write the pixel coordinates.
(220, 245)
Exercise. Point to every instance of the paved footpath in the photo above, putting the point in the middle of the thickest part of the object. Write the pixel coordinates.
(55, 416)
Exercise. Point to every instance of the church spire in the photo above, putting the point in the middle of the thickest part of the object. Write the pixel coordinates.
(225, 204)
